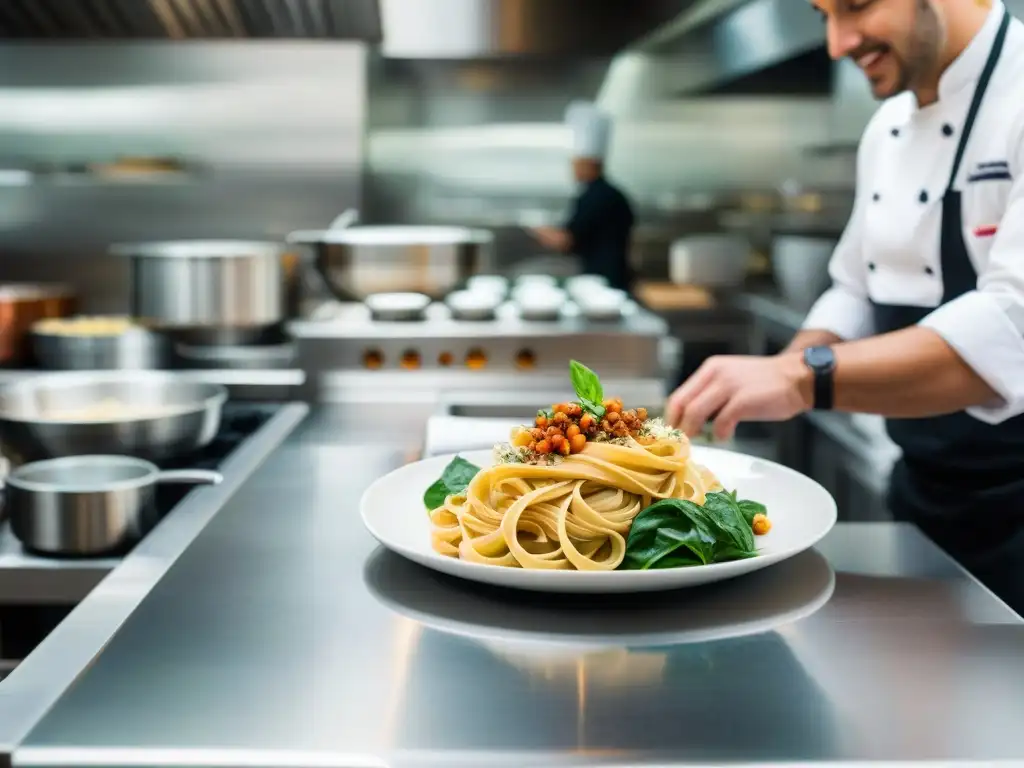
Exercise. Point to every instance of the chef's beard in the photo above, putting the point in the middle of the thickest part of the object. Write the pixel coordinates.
(917, 58)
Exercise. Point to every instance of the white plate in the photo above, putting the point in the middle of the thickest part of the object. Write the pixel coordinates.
(802, 512)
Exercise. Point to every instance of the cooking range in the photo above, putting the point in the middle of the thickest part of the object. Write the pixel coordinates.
(38, 591)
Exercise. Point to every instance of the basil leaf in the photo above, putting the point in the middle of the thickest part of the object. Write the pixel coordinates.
(751, 508)
(455, 479)
(547, 413)
(586, 383)
(594, 409)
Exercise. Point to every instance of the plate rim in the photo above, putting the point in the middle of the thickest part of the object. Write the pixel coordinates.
(596, 581)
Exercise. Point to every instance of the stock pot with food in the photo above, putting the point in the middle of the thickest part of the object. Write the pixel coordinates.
(151, 415)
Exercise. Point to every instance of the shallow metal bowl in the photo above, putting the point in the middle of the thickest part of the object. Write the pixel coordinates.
(360, 261)
(165, 416)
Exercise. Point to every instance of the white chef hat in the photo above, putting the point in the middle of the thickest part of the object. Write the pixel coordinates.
(591, 129)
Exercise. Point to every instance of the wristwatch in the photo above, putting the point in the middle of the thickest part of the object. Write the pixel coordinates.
(822, 362)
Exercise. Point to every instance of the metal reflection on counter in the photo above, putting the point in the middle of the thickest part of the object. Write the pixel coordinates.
(550, 626)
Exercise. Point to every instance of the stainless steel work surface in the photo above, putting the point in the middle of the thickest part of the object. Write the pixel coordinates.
(284, 629)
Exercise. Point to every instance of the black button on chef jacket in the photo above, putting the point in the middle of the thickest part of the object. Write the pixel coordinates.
(601, 226)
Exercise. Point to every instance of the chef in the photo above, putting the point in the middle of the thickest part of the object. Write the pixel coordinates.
(599, 229)
(924, 322)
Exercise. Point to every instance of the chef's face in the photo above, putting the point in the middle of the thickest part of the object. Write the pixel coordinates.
(897, 43)
(585, 169)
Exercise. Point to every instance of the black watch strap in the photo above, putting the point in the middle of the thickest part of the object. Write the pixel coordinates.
(822, 362)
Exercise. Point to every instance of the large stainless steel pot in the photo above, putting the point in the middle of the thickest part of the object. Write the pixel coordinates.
(208, 290)
(713, 260)
(359, 261)
(88, 505)
(147, 414)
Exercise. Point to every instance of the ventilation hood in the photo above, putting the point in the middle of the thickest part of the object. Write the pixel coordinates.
(189, 19)
(717, 41)
(406, 29)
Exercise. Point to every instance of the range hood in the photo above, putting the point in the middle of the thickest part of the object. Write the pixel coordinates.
(718, 41)
(189, 19)
(406, 29)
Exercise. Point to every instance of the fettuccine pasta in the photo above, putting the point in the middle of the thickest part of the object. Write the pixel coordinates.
(571, 514)
(591, 486)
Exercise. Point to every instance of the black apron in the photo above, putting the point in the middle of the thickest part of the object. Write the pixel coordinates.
(962, 480)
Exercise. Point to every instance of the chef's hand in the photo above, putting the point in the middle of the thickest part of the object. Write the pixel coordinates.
(553, 238)
(735, 388)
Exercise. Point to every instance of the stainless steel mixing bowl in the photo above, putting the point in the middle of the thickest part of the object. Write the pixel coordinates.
(359, 261)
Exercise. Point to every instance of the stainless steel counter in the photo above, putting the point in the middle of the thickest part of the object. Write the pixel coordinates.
(282, 636)
(113, 590)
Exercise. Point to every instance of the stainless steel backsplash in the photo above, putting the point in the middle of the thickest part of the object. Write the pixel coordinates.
(286, 135)
(483, 141)
(273, 133)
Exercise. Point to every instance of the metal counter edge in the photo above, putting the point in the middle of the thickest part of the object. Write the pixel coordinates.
(250, 758)
(40, 680)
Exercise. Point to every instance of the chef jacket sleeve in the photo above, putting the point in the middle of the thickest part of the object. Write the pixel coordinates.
(844, 309)
(986, 326)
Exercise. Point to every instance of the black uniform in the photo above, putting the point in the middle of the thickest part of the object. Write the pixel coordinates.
(601, 225)
(960, 479)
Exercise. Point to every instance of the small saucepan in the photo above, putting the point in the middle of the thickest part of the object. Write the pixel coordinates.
(88, 505)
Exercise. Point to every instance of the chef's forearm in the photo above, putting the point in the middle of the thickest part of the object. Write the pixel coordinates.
(811, 338)
(554, 238)
(906, 374)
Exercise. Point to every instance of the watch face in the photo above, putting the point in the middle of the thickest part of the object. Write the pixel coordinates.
(819, 357)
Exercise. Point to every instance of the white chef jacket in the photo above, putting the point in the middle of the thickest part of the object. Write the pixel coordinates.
(889, 252)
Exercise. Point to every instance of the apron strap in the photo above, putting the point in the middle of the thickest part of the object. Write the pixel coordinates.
(979, 95)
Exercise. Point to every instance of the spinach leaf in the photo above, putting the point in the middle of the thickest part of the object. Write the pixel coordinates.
(734, 531)
(586, 383)
(668, 534)
(675, 533)
(455, 478)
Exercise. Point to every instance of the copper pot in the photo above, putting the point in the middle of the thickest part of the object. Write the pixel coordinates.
(22, 305)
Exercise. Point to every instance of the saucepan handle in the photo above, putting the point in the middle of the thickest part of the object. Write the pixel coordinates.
(199, 476)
